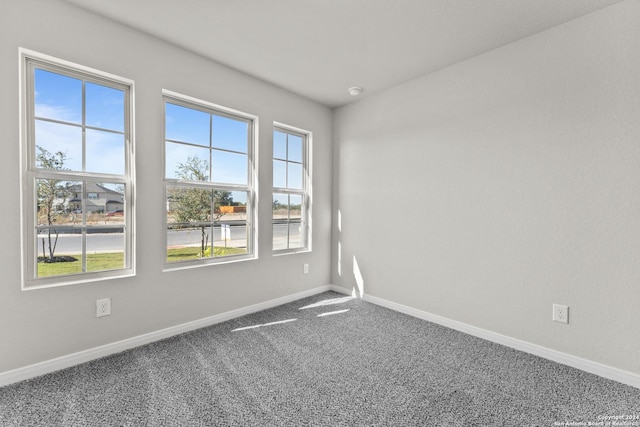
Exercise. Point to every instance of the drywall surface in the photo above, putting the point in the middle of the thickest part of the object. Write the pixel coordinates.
(39, 325)
(491, 189)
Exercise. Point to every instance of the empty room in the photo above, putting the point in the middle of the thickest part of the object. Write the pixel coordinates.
(320, 212)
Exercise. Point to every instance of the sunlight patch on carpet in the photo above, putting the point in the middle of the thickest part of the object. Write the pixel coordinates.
(279, 322)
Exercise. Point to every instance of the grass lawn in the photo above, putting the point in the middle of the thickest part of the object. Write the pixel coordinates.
(115, 260)
(95, 262)
(193, 252)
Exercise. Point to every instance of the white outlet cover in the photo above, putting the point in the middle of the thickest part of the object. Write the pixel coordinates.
(103, 307)
(560, 313)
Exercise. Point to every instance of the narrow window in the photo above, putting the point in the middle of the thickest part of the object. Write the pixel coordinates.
(291, 196)
(209, 176)
(76, 149)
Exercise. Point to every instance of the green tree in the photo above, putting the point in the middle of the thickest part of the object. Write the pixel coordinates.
(49, 191)
(197, 205)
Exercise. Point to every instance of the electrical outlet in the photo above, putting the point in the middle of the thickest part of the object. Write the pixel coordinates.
(306, 269)
(103, 307)
(560, 313)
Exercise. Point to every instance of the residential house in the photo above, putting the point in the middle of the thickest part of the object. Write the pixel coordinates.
(99, 199)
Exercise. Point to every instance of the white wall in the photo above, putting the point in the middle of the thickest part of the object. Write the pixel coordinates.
(39, 325)
(491, 189)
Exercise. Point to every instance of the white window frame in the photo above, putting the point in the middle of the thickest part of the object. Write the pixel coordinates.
(29, 61)
(250, 188)
(305, 192)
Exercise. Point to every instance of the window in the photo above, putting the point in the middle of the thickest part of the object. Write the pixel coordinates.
(291, 195)
(76, 142)
(209, 176)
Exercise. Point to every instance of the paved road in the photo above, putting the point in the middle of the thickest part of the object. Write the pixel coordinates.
(114, 242)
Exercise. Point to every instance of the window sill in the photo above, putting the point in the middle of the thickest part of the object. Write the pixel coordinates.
(282, 252)
(187, 265)
(72, 280)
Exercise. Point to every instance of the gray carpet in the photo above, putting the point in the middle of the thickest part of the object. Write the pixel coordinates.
(358, 365)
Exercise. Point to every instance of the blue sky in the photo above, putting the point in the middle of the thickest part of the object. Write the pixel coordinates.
(220, 141)
(287, 160)
(59, 98)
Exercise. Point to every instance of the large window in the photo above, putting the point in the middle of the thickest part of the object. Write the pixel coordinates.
(291, 195)
(209, 176)
(77, 168)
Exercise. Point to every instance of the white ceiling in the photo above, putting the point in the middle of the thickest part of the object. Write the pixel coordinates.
(320, 48)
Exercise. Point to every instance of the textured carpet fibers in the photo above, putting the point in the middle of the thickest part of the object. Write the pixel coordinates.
(327, 360)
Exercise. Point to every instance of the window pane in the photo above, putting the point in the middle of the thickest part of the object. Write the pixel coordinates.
(279, 174)
(186, 162)
(59, 252)
(187, 125)
(279, 145)
(230, 134)
(280, 205)
(105, 249)
(104, 107)
(105, 152)
(54, 138)
(189, 223)
(295, 207)
(57, 97)
(280, 235)
(185, 243)
(56, 201)
(232, 205)
(294, 152)
(230, 168)
(280, 214)
(295, 221)
(230, 239)
(295, 235)
(231, 230)
(189, 205)
(294, 177)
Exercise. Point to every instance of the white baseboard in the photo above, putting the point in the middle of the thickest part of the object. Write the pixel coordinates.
(48, 366)
(32, 371)
(596, 368)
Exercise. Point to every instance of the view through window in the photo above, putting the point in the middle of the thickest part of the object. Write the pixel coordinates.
(291, 199)
(209, 182)
(78, 174)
